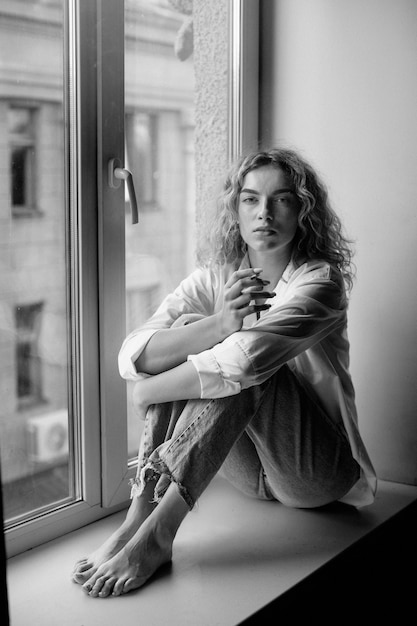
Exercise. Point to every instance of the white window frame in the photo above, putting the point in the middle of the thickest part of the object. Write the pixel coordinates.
(243, 77)
(96, 116)
(101, 484)
(112, 308)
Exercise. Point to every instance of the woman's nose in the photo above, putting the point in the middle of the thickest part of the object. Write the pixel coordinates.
(264, 210)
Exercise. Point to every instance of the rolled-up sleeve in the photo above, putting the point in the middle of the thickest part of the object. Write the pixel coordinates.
(195, 296)
(130, 351)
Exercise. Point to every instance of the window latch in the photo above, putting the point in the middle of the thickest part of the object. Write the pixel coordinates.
(117, 173)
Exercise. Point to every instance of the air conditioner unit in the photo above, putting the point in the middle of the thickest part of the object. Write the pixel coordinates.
(48, 437)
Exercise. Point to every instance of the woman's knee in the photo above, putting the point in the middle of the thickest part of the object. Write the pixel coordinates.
(313, 494)
(246, 479)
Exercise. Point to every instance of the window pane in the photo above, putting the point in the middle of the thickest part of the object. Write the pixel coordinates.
(159, 97)
(21, 123)
(141, 156)
(34, 319)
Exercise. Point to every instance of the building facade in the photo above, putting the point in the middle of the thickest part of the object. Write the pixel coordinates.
(159, 122)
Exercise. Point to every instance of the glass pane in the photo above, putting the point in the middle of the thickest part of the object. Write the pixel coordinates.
(34, 277)
(141, 154)
(159, 97)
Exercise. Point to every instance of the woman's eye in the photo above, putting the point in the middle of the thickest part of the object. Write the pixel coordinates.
(283, 200)
(249, 200)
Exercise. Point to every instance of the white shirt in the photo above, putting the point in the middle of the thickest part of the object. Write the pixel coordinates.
(306, 328)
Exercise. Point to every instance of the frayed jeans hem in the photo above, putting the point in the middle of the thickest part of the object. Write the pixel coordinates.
(159, 472)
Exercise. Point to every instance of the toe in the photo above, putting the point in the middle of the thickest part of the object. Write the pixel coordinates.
(84, 576)
(78, 563)
(79, 579)
(89, 583)
(118, 587)
(80, 566)
(98, 586)
(133, 583)
(83, 572)
(87, 587)
(83, 566)
(107, 588)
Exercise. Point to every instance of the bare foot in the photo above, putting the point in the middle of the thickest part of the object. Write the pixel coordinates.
(148, 549)
(133, 565)
(140, 508)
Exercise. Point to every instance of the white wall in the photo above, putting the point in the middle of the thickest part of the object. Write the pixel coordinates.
(339, 82)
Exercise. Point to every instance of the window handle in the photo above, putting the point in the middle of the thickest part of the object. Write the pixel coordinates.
(116, 174)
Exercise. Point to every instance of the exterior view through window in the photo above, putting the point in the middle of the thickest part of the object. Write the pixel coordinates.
(159, 124)
(38, 447)
(34, 277)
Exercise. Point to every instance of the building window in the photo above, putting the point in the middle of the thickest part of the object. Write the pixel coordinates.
(22, 159)
(142, 157)
(28, 370)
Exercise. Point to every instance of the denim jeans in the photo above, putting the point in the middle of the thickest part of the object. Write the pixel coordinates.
(271, 441)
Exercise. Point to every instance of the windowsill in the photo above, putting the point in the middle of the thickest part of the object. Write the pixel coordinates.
(232, 556)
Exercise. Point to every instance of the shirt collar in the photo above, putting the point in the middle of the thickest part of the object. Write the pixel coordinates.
(287, 273)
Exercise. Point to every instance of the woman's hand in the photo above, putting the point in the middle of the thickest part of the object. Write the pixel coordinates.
(242, 288)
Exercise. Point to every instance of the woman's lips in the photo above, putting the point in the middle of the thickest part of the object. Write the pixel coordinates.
(265, 231)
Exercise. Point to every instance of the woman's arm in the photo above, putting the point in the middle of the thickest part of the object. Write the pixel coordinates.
(308, 309)
(165, 355)
(181, 382)
(170, 347)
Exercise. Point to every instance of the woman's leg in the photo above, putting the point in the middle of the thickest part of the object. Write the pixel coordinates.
(304, 461)
(158, 427)
(201, 437)
(182, 447)
(275, 440)
(291, 450)
(144, 553)
(139, 510)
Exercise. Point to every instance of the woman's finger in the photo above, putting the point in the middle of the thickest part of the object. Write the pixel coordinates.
(246, 274)
(245, 301)
(258, 294)
(252, 308)
(244, 286)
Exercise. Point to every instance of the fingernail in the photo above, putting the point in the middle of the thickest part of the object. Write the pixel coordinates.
(261, 280)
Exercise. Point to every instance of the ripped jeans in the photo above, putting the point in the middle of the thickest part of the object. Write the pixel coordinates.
(271, 441)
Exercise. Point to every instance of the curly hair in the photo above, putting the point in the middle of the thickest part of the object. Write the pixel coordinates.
(319, 234)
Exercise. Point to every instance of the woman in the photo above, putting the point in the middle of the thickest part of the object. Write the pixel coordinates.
(234, 376)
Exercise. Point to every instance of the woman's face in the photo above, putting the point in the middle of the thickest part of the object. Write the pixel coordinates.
(267, 210)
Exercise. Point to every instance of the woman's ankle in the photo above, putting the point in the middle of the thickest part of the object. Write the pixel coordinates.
(171, 510)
